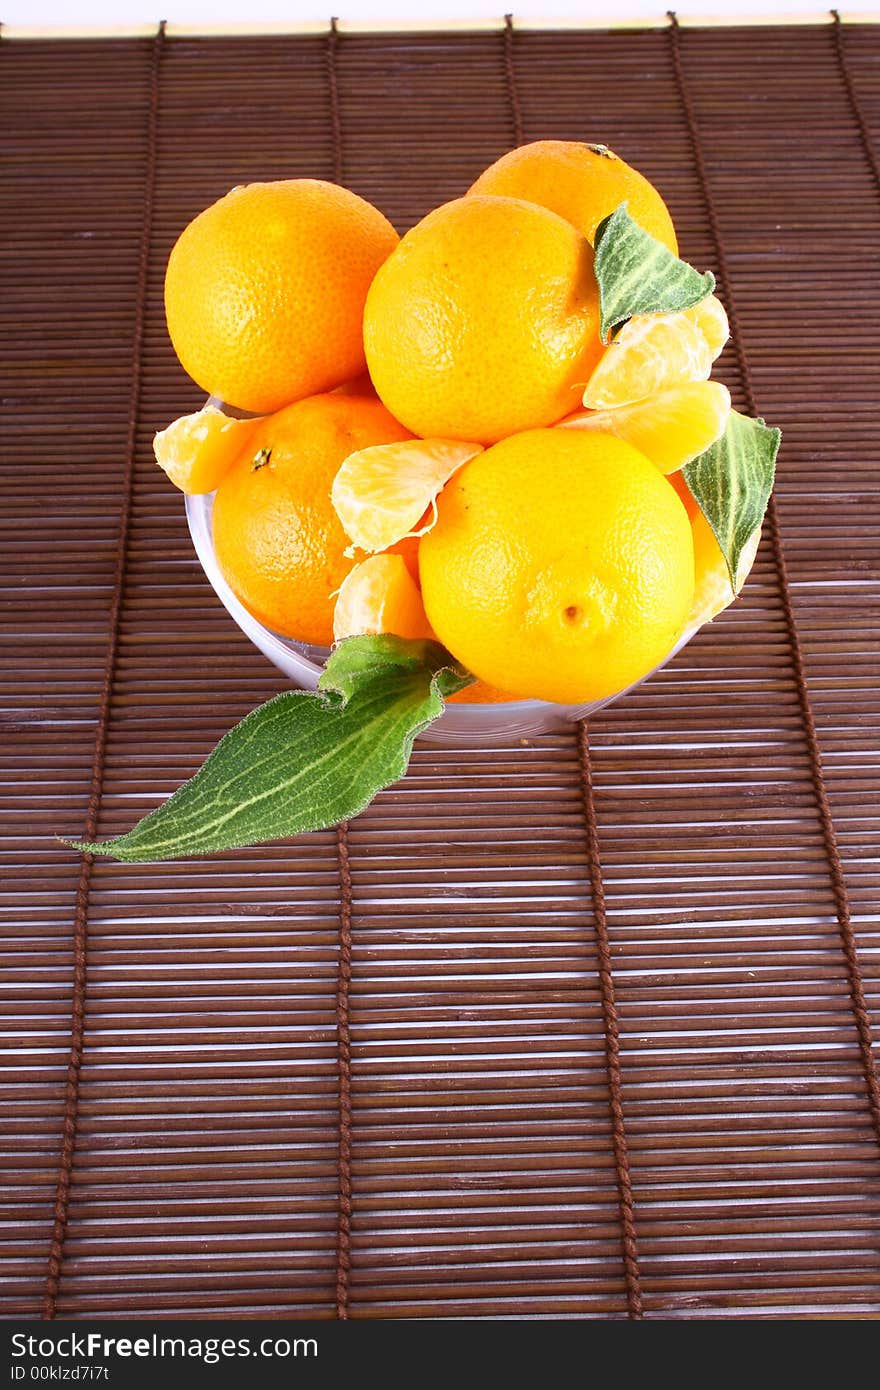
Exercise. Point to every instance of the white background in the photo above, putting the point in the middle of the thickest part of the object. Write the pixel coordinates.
(110, 14)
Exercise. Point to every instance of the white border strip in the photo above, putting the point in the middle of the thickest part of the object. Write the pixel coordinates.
(424, 26)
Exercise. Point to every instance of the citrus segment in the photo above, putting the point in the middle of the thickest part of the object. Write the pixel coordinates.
(197, 450)
(711, 319)
(651, 353)
(561, 566)
(265, 290)
(582, 183)
(277, 538)
(380, 595)
(484, 321)
(670, 429)
(381, 493)
(712, 588)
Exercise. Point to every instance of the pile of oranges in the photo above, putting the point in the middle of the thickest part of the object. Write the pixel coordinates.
(428, 436)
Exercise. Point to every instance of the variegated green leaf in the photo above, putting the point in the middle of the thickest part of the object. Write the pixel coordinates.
(303, 761)
(732, 482)
(639, 275)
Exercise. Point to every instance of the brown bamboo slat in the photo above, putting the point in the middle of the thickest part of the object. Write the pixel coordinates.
(490, 966)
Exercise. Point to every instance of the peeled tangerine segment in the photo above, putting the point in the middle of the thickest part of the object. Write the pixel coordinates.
(654, 352)
(197, 451)
(713, 591)
(669, 429)
(381, 493)
(711, 319)
(380, 595)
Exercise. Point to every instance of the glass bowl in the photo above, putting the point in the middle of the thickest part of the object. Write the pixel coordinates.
(460, 724)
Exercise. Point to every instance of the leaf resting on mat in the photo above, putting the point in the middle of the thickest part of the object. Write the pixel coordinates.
(639, 275)
(732, 482)
(303, 761)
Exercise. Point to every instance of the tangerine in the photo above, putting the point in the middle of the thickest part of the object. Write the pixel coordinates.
(561, 566)
(277, 537)
(484, 322)
(265, 290)
(582, 183)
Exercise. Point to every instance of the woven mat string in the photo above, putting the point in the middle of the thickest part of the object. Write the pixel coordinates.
(333, 90)
(610, 1023)
(343, 1066)
(90, 829)
(852, 97)
(343, 975)
(510, 80)
(823, 805)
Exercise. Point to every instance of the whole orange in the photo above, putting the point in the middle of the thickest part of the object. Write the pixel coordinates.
(277, 538)
(265, 291)
(484, 322)
(582, 183)
(561, 566)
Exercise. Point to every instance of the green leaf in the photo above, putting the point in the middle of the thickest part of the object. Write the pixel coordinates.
(639, 275)
(732, 482)
(303, 761)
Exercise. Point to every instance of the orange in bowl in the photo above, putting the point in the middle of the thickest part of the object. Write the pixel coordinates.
(265, 291)
(277, 538)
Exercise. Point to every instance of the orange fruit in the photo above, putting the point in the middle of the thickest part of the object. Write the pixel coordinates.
(381, 494)
(671, 429)
(561, 566)
(277, 538)
(654, 352)
(380, 595)
(484, 321)
(265, 290)
(197, 450)
(713, 590)
(480, 694)
(582, 183)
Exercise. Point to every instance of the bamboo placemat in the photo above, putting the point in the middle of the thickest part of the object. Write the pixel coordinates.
(578, 1027)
